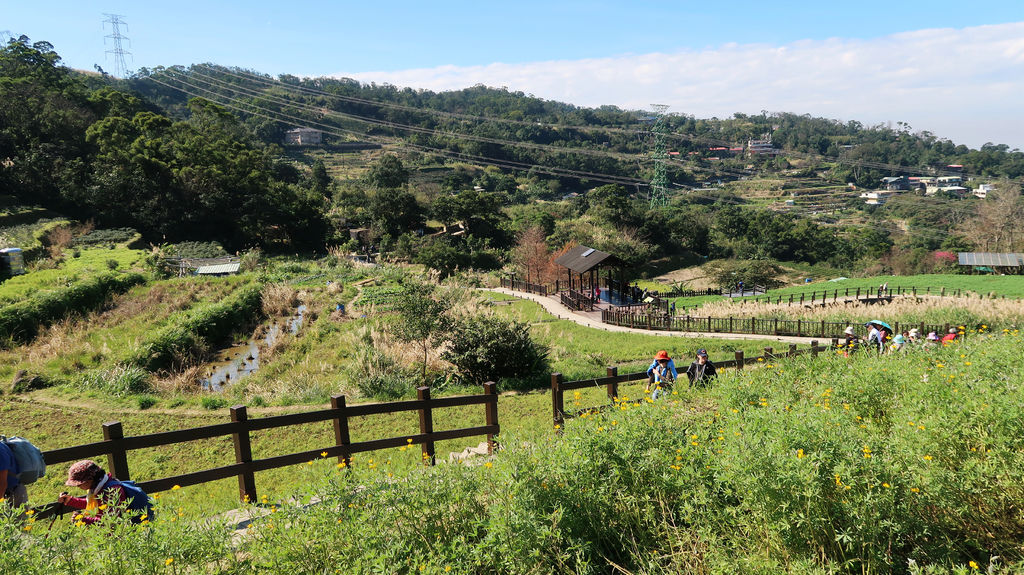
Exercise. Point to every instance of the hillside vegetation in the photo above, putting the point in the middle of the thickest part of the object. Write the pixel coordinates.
(911, 463)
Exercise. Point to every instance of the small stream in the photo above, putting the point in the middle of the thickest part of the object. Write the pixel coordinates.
(238, 361)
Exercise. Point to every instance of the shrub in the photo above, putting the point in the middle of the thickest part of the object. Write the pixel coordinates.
(487, 348)
(119, 381)
(112, 264)
(210, 402)
(145, 401)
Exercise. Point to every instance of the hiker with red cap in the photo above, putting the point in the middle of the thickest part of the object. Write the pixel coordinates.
(104, 494)
(701, 371)
(660, 375)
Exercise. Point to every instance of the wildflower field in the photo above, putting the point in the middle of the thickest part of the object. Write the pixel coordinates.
(910, 463)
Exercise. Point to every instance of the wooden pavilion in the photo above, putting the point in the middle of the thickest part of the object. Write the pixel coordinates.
(583, 268)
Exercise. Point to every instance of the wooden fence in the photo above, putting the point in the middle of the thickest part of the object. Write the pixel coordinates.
(750, 325)
(612, 380)
(576, 301)
(519, 285)
(824, 296)
(116, 446)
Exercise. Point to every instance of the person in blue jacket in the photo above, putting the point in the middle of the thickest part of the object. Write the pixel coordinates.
(661, 375)
(14, 492)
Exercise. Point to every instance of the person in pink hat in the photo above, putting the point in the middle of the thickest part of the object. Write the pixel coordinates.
(104, 494)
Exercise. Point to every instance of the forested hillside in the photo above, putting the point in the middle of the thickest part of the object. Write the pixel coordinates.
(464, 179)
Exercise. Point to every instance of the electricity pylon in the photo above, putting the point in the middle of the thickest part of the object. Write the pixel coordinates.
(659, 183)
(115, 21)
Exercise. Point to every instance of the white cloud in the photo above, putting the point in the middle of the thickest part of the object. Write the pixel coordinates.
(963, 84)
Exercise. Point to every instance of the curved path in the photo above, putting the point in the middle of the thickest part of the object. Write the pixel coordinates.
(593, 320)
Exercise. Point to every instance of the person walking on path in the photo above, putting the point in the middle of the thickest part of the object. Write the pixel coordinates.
(15, 493)
(104, 494)
(701, 371)
(660, 375)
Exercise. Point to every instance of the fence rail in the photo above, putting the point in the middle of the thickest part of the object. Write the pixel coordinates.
(750, 325)
(823, 296)
(612, 380)
(576, 301)
(116, 446)
(519, 285)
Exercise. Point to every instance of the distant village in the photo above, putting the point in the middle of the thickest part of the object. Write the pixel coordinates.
(949, 185)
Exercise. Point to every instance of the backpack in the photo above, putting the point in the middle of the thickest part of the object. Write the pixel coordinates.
(138, 501)
(29, 458)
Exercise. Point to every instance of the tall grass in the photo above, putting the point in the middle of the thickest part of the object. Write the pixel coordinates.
(891, 464)
(907, 310)
(22, 321)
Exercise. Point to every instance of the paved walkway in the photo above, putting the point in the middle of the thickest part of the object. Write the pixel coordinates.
(593, 319)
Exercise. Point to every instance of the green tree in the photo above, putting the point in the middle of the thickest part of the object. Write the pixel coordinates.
(423, 317)
(388, 172)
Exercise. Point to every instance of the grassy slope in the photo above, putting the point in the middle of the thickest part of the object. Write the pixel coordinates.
(92, 260)
(807, 466)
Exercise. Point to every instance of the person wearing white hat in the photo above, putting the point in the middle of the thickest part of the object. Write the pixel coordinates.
(914, 336)
(852, 341)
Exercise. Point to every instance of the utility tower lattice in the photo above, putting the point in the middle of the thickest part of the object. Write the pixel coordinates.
(115, 21)
(659, 183)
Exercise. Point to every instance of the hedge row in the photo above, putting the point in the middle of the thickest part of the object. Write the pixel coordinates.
(22, 321)
(211, 323)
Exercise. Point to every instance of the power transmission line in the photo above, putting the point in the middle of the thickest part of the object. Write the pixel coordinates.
(247, 107)
(115, 21)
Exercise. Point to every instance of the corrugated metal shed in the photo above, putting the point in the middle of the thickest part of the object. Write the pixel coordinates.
(216, 270)
(582, 259)
(990, 259)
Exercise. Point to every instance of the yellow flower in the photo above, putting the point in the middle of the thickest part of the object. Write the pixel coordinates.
(914, 490)
(927, 457)
(886, 485)
(447, 568)
(973, 565)
(175, 488)
(168, 561)
(488, 465)
(799, 453)
(323, 454)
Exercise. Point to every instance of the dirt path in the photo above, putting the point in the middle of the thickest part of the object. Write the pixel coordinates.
(556, 308)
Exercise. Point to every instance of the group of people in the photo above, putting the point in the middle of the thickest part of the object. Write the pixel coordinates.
(104, 495)
(662, 374)
(881, 339)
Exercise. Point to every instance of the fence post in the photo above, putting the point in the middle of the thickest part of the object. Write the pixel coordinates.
(491, 389)
(426, 423)
(117, 459)
(792, 350)
(822, 333)
(613, 387)
(775, 327)
(814, 348)
(730, 324)
(739, 359)
(341, 436)
(557, 409)
(243, 454)
(858, 293)
(799, 322)
(802, 297)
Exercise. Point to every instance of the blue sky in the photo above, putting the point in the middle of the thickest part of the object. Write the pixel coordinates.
(955, 69)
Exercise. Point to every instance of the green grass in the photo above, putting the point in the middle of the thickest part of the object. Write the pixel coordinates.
(580, 352)
(827, 465)
(91, 261)
(1009, 286)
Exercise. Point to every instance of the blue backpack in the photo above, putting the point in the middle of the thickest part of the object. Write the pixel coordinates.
(139, 504)
(28, 457)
